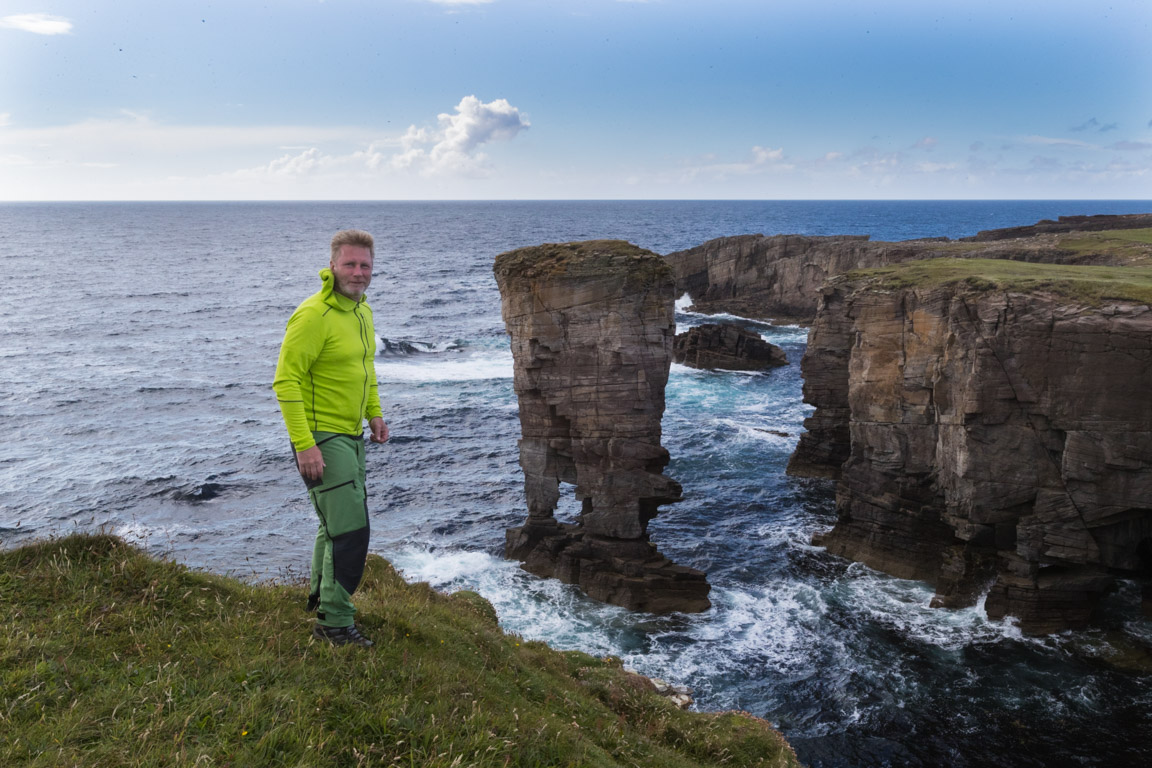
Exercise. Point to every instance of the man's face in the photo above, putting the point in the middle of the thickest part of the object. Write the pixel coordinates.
(352, 270)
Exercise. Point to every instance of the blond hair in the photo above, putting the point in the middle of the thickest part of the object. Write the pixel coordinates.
(357, 237)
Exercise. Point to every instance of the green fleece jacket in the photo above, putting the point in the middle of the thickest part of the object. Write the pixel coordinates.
(326, 376)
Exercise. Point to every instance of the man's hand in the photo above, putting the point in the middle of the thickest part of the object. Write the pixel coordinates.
(311, 463)
(379, 430)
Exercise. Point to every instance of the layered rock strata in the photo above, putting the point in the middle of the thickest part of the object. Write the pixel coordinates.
(779, 278)
(592, 326)
(774, 278)
(984, 434)
(727, 347)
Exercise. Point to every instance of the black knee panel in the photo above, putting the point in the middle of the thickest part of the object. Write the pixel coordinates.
(349, 550)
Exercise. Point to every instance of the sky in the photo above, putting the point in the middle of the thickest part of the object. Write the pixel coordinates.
(575, 99)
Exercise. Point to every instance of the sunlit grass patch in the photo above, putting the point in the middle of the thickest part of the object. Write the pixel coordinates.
(115, 658)
(1089, 284)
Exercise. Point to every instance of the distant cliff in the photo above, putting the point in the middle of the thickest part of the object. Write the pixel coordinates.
(592, 327)
(779, 277)
(989, 423)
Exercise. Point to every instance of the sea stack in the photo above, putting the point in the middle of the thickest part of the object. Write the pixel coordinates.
(592, 326)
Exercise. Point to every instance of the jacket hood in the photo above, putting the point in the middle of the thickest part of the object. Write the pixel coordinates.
(327, 283)
(328, 291)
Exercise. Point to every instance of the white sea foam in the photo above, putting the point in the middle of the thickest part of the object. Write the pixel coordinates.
(783, 436)
(139, 532)
(434, 368)
(906, 606)
(726, 317)
(444, 569)
(537, 609)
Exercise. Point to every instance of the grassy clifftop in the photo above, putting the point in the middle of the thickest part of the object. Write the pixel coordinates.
(1089, 284)
(113, 658)
(1114, 247)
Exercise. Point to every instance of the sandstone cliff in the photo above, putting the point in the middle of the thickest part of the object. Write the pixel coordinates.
(779, 277)
(989, 423)
(592, 326)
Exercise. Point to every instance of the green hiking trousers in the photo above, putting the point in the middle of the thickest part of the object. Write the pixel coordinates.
(341, 502)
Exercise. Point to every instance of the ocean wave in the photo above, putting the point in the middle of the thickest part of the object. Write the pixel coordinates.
(775, 435)
(532, 607)
(386, 346)
(905, 606)
(419, 369)
(684, 303)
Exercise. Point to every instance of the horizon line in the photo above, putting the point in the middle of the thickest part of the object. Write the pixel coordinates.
(605, 200)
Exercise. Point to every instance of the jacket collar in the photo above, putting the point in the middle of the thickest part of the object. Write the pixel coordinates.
(328, 292)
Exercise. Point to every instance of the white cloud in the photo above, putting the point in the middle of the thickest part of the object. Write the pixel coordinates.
(449, 151)
(5, 119)
(458, 2)
(928, 142)
(38, 23)
(761, 155)
(1134, 146)
(1051, 142)
(936, 167)
(707, 168)
(452, 149)
(151, 159)
(137, 134)
(296, 165)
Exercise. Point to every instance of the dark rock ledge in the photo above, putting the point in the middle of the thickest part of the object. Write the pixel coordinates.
(726, 347)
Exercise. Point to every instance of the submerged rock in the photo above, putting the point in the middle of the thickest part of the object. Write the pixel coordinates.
(592, 325)
(726, 347)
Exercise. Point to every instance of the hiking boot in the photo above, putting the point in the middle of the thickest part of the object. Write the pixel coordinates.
(348, 635)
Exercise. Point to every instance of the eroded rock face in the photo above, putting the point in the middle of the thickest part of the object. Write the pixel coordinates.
(592, 326)
(726, 347)
(779, 278)
(774, 278)
(985, 438)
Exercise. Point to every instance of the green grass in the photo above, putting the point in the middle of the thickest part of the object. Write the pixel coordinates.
(1089, 284)
(113, 658)
(1133, 245)
(1121, 247)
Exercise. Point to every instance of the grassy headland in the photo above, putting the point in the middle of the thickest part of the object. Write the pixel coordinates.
(1115, 247)
(1091, 285)
(113, 658)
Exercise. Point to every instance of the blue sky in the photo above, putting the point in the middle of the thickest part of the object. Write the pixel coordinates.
(523, 99)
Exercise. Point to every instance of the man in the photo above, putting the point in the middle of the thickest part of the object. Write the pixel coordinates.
(326, 386)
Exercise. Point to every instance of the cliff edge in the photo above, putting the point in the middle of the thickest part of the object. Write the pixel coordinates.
(779, 277)
(988, 423)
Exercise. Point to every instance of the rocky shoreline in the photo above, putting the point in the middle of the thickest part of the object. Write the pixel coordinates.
(982, 405)
(984, 438)
(779, 277)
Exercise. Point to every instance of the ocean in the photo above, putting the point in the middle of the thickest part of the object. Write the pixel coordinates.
(138, 349)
